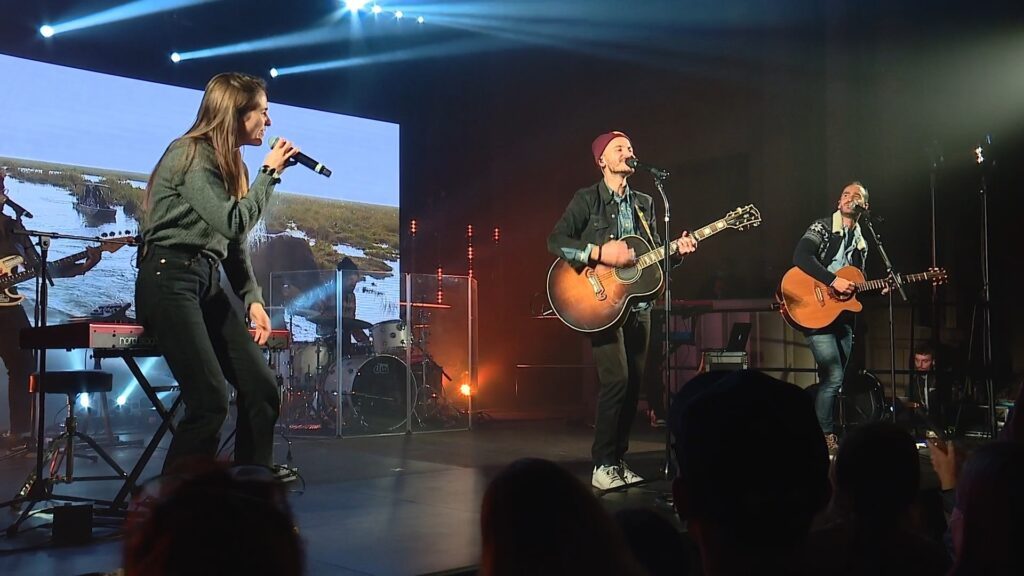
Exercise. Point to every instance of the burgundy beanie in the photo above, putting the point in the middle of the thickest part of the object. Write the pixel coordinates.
(601, 142)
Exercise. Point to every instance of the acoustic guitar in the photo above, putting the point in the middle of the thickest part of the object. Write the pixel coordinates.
(597, 297)
(808, 304)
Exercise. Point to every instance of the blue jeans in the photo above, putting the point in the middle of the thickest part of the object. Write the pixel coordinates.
(831, 352)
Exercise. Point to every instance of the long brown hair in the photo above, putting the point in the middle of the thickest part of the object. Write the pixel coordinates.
(227, 99)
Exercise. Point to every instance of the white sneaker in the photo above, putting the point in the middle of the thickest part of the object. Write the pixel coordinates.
(627, 475)
(606, 478)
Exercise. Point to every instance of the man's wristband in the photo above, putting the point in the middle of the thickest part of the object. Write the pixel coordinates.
(599, 254)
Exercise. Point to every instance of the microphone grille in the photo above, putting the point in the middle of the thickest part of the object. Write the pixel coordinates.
(273, 141)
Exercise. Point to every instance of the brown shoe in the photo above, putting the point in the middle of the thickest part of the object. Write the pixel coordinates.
(832, 443)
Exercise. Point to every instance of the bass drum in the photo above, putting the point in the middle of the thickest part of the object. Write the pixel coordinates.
(860, 400)
(378, 393)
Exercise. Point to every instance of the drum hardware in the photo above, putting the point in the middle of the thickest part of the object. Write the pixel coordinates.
(365, 387)
(859, 401)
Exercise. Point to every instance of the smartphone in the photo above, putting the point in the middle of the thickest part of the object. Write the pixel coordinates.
(937, 437)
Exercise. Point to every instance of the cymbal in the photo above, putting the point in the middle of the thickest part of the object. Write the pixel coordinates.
(309, 312)
(355, 324)
(323, 319)
(329, 318)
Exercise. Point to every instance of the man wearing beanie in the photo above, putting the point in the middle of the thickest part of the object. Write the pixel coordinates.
(588, 233)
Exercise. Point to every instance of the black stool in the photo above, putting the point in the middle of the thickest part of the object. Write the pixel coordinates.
(72, 383)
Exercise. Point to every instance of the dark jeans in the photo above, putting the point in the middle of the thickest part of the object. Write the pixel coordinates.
(620, 356)
(20, 364)
(206, 342)
(831, 350)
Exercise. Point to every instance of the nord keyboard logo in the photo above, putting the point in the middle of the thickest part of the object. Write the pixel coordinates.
(136, 341)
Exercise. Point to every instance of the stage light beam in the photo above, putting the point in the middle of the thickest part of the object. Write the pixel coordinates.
(355, 5)
(420, 20)
(127, 11)
(399, 14)
(376, 9)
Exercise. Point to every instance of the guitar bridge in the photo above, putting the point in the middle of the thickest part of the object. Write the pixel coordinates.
(595, 284)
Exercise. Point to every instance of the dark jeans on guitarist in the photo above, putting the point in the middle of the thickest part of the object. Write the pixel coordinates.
(20, 364)
(830, 347)
(207, 345)
(620, 356)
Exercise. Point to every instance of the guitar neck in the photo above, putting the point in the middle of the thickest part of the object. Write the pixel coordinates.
(30, 273)
(883, 282)
(658, 254)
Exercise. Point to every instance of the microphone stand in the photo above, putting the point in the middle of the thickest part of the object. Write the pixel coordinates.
(986, 293)
(35, 489)
(666, 268)
(894, 282)
(935, 162)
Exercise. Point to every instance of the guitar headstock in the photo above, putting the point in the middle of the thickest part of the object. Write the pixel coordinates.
(112, 243)
(743, 217)
(937, 276)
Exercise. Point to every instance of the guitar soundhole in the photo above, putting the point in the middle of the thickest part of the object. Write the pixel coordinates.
(839, 296)
(627, 275)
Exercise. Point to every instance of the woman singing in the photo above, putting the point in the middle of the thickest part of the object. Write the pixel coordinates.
(199, 209)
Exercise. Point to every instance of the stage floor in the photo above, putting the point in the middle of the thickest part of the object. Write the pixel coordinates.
(401, 505)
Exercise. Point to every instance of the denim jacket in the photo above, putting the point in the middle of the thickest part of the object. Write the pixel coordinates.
(590, 219)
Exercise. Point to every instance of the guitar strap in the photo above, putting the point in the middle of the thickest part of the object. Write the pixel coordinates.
(643, 220)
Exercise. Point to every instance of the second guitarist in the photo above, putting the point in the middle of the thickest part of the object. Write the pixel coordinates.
(828, 245)
(589, 232)
(20, 363)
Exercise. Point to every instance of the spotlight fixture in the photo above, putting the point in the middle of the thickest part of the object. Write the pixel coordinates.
(46, 31)
(273, 72)
(175, 57)
(399, 14)
(376, 9)
(420, 19)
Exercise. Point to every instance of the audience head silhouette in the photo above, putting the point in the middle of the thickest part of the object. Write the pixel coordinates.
(753, 469)
(539, 519)
(217, 521)
(877, 473)
(990, 505)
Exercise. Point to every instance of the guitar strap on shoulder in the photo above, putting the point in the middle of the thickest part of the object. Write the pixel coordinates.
(643, 220)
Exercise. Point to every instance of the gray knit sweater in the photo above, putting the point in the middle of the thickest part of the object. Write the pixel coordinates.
(191, 210)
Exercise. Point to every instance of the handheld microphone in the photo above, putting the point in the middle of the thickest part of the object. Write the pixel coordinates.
(638, 165)
(306, 161)
(19, 211)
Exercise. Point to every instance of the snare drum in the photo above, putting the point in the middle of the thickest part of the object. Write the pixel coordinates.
(390, 337)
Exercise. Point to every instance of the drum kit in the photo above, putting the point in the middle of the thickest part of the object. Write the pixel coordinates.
(360, 387)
